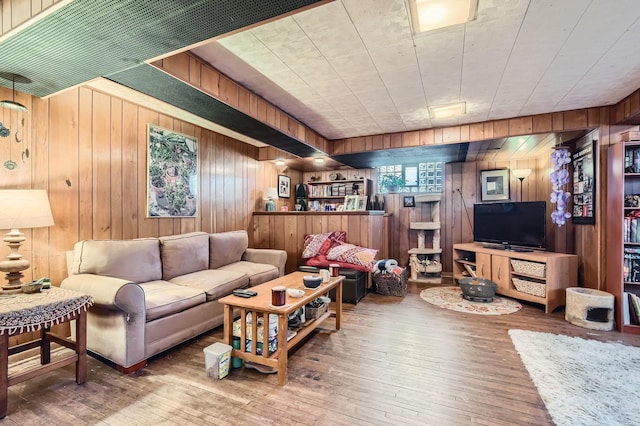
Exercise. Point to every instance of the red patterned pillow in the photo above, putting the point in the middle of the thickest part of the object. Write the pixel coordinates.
(315, 244)
(353, 254)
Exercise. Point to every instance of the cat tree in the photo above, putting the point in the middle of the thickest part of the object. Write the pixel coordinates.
(425, 261)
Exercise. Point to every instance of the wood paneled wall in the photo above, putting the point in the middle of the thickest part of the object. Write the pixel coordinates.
(543, 123)
(14, 13)
(191, 69)
(89, 150)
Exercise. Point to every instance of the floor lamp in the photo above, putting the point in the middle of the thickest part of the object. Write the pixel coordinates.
(521, 174)
(21, 208)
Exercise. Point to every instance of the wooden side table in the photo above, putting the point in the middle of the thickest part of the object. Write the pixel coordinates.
(23, 313)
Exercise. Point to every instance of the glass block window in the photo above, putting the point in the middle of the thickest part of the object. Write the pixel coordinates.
(416, 178)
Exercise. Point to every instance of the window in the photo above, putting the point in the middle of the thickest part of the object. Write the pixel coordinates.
(420, 177)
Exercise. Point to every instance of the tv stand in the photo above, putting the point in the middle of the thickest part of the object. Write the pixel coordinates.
(536, 276)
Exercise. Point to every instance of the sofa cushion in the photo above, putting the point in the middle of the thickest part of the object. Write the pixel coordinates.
(258, 273)
(164, 298)
(227, 247)
(184, 253)
(214, 282)
(136, 260)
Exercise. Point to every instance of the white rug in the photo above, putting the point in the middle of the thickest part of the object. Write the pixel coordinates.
(582, 382)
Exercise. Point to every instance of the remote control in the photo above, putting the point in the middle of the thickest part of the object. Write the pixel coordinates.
(244, 293)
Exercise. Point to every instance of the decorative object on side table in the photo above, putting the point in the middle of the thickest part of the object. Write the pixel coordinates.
(22, 208)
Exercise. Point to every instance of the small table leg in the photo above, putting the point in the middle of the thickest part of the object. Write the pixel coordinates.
(81, 347)
(283, 349)
(4, 373)
(338, 304)
(45, 347)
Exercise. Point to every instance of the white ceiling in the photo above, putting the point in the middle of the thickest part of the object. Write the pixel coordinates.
(353, 67)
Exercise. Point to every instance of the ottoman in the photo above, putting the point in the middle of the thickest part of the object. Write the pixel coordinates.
(354, 285)
(589, 308)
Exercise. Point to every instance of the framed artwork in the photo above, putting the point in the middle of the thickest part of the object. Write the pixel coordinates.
(584, 184)
(361, 202)
(172, 173)
(350, 203)
(284, 186)
(409, 201)
(494, 184)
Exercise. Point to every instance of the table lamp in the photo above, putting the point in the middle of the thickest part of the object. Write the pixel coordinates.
(21, 208)
(269, 195)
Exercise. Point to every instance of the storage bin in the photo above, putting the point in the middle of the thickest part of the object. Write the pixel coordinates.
(311, 312)
(530, 287)
(217, 358)
(391, 284)
(530, 268)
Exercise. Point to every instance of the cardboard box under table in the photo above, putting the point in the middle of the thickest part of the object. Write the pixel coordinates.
(354, 286)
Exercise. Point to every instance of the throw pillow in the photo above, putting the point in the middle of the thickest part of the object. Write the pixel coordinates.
(315, 244)
(353, 254)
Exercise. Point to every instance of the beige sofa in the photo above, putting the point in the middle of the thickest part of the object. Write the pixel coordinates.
(151, 294)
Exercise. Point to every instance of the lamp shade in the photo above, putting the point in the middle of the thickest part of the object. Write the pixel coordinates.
(270, 193)
(521, 173)
(24, 208)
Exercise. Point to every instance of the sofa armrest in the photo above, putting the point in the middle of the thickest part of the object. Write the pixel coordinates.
(109, 292)
(277, 258)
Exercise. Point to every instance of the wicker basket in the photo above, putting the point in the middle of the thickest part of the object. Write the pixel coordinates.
(391, 284)
(534, 269)
(311, 313)
(530, 287)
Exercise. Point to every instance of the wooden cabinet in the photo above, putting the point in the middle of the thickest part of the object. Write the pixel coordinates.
(540, 277)
(623, 226)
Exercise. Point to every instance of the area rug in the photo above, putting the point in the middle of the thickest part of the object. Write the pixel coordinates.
(582, 382)
(451, 298)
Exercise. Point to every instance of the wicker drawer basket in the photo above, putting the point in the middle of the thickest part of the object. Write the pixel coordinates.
(530, 287)
(534, 269)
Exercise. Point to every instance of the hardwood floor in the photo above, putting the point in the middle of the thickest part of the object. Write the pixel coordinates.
(396, 361)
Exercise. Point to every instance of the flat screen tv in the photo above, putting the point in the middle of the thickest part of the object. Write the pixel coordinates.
(512, 225)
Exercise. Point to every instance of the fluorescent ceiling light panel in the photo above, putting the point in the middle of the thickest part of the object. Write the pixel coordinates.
(448, 111)
(428, 15)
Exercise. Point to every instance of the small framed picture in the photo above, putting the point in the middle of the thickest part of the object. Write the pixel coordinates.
(409, 201)
(284, 186)
(350, 202)
(494, 184)
(361, 202)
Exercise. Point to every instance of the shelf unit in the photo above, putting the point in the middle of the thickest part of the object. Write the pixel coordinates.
(539, 276)
(425, 261)
(334, 191)
(623, 270)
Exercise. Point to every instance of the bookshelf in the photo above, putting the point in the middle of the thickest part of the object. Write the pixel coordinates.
(623, 228)
(333, 191)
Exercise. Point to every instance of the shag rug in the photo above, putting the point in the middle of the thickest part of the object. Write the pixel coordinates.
(582, 382)
(451, 298)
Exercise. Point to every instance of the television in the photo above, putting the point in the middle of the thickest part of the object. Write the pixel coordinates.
(511, 225)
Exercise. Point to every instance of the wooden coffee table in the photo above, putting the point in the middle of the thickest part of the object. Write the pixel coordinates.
(260, 307)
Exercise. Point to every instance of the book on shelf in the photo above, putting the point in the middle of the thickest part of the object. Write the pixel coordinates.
(634, 309)
(626, 314)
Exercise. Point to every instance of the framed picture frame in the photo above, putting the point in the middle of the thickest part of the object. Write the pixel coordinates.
(584, 184)
(172, 173)
(494, 184)
(284, 186)
(409, 201)
(350, 203)
(361, 202)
